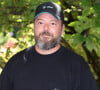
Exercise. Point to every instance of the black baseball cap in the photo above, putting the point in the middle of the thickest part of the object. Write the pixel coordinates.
(51, 8)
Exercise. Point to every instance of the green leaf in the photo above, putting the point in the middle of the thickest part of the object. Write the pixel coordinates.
(83, 24)
(68, 37)
(78, 39)
(72, 23)
(90, 44)
(86, 3)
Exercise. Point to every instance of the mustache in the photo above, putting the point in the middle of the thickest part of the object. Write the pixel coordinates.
(46, 33)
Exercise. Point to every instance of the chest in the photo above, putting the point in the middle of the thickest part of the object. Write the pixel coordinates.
(40, 75)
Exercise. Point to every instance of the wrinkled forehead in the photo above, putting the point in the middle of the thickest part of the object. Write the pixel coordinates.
(46, 15)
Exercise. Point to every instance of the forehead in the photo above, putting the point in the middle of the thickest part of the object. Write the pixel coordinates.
(46, 16)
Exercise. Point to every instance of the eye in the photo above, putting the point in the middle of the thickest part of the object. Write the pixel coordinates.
(40, 22)
(53, 23)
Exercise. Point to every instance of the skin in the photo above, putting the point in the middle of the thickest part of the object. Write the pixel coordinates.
(47, 23)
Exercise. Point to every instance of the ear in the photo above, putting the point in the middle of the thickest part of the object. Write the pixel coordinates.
(63, 27)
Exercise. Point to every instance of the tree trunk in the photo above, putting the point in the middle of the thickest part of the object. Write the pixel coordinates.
(93, 59)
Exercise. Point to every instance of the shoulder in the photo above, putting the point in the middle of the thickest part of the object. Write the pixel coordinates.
(76, 62)
(70, 54)
(73, 58)
(16, 61)
(20, 57)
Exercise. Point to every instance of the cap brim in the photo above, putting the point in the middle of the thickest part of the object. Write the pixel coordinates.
(51, 13)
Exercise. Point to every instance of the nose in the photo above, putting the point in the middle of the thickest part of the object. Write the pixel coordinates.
(46, 27)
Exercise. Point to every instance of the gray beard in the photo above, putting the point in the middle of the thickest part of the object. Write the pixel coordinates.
(47, 45)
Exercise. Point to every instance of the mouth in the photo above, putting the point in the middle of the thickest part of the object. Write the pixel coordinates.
(45, 36)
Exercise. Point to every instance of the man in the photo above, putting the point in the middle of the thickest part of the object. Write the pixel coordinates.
(47, 65)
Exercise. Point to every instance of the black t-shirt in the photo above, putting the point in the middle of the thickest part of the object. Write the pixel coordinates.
(62, 70)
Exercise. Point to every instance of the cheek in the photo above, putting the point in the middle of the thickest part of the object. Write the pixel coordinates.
(57, 32)
(37, 31)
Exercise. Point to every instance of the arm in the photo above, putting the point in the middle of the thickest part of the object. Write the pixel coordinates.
(5, 81)
(7, 75)
(87, 81)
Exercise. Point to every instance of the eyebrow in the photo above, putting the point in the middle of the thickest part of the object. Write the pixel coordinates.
(42, 19)
(38, 19)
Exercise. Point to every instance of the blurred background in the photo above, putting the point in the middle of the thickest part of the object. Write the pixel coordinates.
(82, 32)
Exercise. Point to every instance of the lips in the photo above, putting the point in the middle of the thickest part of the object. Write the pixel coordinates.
(45, 35)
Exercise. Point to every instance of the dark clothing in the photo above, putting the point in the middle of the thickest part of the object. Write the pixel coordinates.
(62, 70)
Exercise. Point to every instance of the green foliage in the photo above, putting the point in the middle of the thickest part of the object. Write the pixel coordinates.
(4, 38)
(78, 39)
(86, 24)
(83, 30)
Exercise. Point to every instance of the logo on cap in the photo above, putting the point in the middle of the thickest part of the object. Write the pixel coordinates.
(44, 7)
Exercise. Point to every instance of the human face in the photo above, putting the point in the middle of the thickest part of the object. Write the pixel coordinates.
(47, 31)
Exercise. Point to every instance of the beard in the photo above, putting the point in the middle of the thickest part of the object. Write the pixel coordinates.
(46, 44)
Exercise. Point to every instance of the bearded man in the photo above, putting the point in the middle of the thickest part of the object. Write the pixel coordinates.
(47, 65)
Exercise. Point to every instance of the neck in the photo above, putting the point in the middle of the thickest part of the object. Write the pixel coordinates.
(46, 52)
